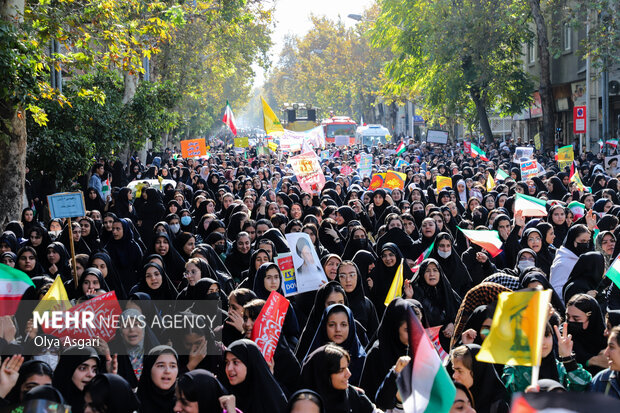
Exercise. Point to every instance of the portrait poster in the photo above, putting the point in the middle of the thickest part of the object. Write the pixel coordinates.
(612, 165)
(309, 274)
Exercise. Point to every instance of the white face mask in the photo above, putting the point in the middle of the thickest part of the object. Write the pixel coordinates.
(175, 228)
(54, 234)
(444, 254)
(50, 359)
(525, 264)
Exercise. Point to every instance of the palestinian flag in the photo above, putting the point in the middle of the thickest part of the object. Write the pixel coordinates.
(422, 257)
(612, 142)
(489, 240)
(13, 283)
(401, 148)
(613, 273)
(229, 119)
(563, 402)
(476, 151)
(501, 175)
(531, 206)
(424, 383)
(578, 209)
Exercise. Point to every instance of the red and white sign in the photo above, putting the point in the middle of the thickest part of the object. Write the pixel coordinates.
(579, 119)
(467, 147)
(307, 168)
(268, 325)
(104, 306)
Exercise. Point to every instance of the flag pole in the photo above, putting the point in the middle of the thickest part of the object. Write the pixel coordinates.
(535, 374)
(73, 261)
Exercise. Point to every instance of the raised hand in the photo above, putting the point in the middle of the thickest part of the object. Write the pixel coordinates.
(565, 341)
(9, 373)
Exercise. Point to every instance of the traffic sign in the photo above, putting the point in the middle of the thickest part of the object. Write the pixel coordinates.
(579, 119)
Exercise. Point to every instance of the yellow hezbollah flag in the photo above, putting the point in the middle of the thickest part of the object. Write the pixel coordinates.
(517, 330)
(273, 146)
(396, 289)
(270, 120)
(56, 298)
(577, 180)
(394, 180)
(443, 181)
(490, 183)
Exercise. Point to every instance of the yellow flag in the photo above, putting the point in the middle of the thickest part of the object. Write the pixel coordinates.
(517, 329)
(273, 146)
(56, 298)
(396, 289)
(577, 179)
(271, 123)
(490, 183)
(443, 181)
(161, 180)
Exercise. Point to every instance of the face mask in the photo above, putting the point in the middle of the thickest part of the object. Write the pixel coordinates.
(54, 234)
(139, 176)
(575, 327)
(220, 249)
(444, 254)
(485, 331)
(525, 264)
(359, 243)
(213, 296)
(98, 222)
(419, 215)
(582, 247)
(175, 228)
(186, 220)
(50, 359)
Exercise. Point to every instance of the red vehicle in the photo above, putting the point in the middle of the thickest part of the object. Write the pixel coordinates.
(339, 126)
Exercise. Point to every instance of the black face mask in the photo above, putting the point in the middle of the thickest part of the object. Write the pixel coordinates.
(419, 215)
(358, 243)
(213, 296)
(220, 249)
(582, 247)
(575, 328)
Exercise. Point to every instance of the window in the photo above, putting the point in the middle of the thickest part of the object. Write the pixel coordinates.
(531, 52)
(568, 34)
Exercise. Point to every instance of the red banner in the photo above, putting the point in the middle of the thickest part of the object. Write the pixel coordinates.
(358, 158)
(467, 147)
(268, 325)
(104, 306)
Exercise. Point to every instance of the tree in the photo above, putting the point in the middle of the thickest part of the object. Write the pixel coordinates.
(332, 67)
(97, 33)
(463, 56)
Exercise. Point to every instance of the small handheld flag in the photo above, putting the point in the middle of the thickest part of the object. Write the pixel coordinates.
(229, 119)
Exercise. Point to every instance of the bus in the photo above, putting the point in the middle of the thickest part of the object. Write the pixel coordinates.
(339, 126)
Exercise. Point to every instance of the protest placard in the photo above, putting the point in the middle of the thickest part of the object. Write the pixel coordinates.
(309, 274)
(268, 325)
(364, 168)
(287, 268)
(66, 205)
(193, 147)
(529, 169)
(308, 170)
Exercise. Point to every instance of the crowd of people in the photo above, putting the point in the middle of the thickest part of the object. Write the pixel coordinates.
(215, 233)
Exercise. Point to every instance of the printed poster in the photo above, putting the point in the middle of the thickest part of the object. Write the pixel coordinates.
(309, 274)
(268, 325)
(307, 168)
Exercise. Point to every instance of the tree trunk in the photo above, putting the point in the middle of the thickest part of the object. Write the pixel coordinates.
(13, 138)
(483, 118)
(131, 83)
(545, 88)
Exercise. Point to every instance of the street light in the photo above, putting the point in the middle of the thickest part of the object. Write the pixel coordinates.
(357, 17)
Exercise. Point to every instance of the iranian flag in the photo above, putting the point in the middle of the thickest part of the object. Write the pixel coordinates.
(229, 119)
(422, 257)
(531, 206)
(13, 283)
(476, 151)
(501, 175)
(578, 209)
(424, 383)
(105, 189)
(401, 148)
(612, 142)
(489, 240)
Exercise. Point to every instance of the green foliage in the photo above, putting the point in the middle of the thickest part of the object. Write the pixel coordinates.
(454, 53)
(19, 68)
(332, 67)
(90, 127)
